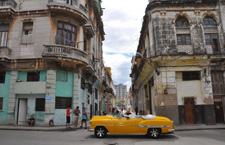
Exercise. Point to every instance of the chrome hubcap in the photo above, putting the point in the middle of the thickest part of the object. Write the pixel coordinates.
(154, 133)
(100, 132)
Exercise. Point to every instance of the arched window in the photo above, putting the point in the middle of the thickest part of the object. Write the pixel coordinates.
(182, 22)
(211, 39)
(209, 22)
(183, 35)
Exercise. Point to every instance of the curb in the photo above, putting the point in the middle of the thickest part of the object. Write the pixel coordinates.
(40, 129)
(183, 129)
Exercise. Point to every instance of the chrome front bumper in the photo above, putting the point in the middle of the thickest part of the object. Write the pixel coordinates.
(171, 130)
(90, 130)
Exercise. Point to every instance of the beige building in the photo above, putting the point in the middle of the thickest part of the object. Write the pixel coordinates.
(179, 70)
(50, 59)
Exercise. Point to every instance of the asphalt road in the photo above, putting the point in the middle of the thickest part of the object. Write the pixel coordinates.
(83, 137)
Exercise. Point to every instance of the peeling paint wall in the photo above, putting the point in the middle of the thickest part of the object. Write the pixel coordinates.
(4, 93)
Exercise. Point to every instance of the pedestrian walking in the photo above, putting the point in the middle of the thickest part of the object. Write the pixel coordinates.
(68, 118)
(84, 118)
(77, 113)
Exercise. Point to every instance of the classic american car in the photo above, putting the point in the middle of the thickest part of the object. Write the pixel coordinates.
(151, 125)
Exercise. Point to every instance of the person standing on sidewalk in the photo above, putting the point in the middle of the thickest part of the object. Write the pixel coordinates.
(84, 118)
(68, 118)
(77, 113)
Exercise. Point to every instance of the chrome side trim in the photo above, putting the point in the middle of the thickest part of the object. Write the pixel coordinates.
(153, 126)
(139, 126)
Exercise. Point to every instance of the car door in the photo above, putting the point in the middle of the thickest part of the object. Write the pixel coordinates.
(126, 126)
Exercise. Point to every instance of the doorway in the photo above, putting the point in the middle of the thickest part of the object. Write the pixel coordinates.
(189, 110)
(22, 111)
(219, 112)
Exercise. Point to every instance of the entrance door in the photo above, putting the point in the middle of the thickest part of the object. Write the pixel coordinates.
(219, 112)
(22, 111)
(218, 91)
(189, 110)
(150, 84)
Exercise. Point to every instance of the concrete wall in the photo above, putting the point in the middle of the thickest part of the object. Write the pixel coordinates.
(41, 35)
(63, 89)
(163, 31)
(4, 92)
(31, 101)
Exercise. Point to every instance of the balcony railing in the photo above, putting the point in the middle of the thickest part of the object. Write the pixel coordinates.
(68, 7)
(83, 9)
(64, 51)
(11, 3)
(5, 52)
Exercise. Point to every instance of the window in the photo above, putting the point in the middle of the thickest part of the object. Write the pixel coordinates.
(66, 34)
(33, 76)
(61, 76)
(209, 22)
(212, 39)
(96, 94)
(2, 77)
(183, 39)
(4, 29)
(1, 103)
(63, 102)
(27, 28)
(82, 83)
(191, 75)
(40, 104)
(182, 23)
(90, 88)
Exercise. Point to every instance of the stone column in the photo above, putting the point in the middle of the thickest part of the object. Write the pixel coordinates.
(76, 87)
(12, 98)
(50, 92)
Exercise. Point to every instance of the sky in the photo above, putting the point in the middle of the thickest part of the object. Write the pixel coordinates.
(122, 21)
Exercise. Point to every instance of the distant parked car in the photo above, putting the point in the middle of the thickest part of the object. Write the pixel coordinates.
(151, 125)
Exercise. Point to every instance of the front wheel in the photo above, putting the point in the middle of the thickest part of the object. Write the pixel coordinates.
(100, 132)
(154, 132)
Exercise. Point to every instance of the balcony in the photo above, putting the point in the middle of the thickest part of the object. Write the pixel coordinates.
(7, 7)
(5, 53)
(89, 28)
(68, 8)
(63, 51)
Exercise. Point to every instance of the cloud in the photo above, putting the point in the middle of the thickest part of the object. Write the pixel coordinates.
(122, 23)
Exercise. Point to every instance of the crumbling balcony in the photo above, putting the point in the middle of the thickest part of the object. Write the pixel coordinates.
(5, 53)
(60, 52)
(79, 12)
(7, 8)
(89, 28)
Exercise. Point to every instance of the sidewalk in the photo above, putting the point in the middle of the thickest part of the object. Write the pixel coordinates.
(63, 128)
(199, 127)
(40, 128)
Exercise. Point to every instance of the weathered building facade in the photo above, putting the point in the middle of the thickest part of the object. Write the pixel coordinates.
(50, 59)
(179, 69)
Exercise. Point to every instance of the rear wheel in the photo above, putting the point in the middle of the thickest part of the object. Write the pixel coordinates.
(154, 132)
(100, 132)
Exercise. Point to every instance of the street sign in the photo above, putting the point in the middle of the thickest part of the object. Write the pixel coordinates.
(48, 98)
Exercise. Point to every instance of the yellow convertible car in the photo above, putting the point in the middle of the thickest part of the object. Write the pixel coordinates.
(151, 125)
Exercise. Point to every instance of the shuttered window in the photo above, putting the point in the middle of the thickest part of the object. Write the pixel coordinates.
(63, 102)
(1, 103)
(33, 76)
(191, 75)
(40, 104)
(2, 77)
(66, 34)
(4, 29)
